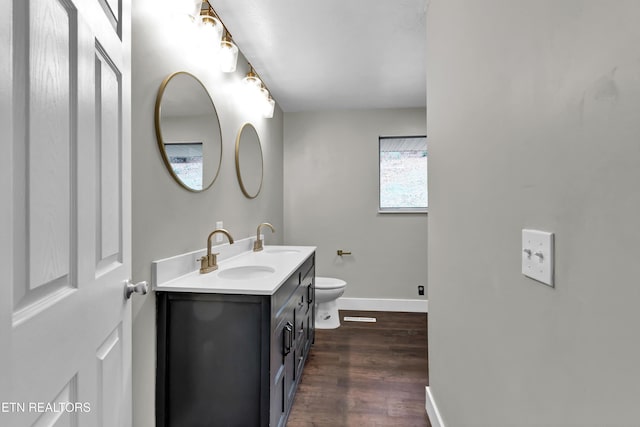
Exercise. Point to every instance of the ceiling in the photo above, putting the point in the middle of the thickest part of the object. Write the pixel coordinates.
(333, 54)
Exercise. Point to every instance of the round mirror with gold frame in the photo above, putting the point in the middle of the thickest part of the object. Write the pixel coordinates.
(188, 131)
(249, 164)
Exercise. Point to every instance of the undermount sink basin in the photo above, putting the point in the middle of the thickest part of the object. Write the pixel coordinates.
(246, 272)
(280, 251)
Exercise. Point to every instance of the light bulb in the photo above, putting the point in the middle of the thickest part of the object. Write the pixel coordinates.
(264, 93)
(252, 81)
(269, 107)
(211, 28)
(228, 56)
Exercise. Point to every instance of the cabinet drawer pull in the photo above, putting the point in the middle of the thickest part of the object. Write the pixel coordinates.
(310, 294)
(287, 341)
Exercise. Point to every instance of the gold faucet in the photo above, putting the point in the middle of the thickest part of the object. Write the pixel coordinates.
(209, 263)
(257, 245)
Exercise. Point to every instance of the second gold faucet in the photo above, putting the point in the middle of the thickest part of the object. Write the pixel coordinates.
(257, 245)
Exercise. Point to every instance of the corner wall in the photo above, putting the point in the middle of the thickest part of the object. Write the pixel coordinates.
(168, 220)
(331, 201)
(533, 122)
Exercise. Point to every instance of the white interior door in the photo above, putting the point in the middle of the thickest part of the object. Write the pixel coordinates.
(65, 325)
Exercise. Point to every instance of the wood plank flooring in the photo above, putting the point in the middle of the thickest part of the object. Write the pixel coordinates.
(366, 374)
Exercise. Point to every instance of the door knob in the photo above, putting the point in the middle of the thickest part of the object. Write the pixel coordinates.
(138, 288)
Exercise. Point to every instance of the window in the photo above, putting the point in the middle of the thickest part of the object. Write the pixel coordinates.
(403, 174)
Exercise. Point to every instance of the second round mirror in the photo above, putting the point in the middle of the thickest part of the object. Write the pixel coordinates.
(249, 161)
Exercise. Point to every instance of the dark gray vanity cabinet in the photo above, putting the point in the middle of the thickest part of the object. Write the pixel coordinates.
(233, 360)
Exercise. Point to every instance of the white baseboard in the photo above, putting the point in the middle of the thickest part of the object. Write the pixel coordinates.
(432, 410)
(379, 304)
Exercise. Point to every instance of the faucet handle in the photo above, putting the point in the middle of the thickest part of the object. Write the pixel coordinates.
(213, 259)
(204, 262)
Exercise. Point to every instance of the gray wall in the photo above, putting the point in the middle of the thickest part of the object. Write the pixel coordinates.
(168, 220)
(534, 122)
(331, 201)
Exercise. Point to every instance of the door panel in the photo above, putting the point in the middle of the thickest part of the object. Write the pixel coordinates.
(50, 144)
(43, 159)
(66, 256)
(110, 373)
(108, 188)
(59, 418)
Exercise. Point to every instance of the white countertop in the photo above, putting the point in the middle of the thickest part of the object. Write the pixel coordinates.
(284, 260)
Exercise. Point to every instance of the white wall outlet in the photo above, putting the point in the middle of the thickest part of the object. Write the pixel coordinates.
(537, 255)
(218, 235)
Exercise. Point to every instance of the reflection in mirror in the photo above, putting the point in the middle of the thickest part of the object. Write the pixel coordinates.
(186, 162)
(249, 161)
(188, 131)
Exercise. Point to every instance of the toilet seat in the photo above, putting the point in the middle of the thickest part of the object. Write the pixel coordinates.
(329, 283)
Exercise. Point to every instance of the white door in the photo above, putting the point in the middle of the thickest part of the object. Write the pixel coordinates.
(65, 249)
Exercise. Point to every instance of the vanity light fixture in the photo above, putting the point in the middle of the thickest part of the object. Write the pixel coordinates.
(228, 57)
(264, 93)
(251, 80)
(269, 107)
(259, 93)
(253, 90)
(228, 54)
(267, 102)
(218, 35)
(211, 26)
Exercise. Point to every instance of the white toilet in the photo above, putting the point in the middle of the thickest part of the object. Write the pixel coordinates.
(328, 290)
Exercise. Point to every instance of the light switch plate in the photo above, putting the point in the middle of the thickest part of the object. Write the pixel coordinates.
(537, 255)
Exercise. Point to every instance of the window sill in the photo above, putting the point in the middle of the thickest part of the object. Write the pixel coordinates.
(404, 211)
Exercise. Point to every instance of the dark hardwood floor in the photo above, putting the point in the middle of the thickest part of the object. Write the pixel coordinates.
(366, 374)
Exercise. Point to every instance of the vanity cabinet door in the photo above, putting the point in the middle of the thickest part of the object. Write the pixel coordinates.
(280, 349)
(212, 361)
(290, 357)
(302, 320)
(282, 365)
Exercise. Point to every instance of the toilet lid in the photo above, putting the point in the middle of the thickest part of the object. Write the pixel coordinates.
(329, 283)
